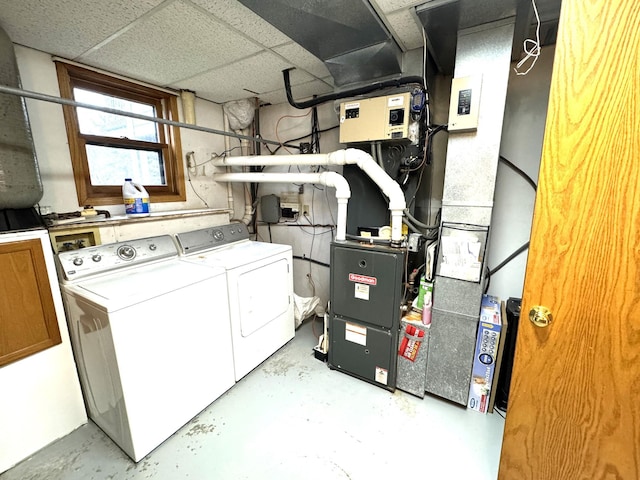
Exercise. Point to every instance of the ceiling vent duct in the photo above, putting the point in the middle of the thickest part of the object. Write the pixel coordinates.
(347, 36)
(443, 19)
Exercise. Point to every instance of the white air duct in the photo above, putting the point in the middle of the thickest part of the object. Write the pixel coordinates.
(353, 156)
(329, 179)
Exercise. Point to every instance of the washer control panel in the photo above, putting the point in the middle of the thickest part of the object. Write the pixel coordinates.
(84, 262)
(211, 237)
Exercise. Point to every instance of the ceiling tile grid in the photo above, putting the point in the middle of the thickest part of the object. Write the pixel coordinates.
(62, 27)
(405, 27)
(300, 92)
(177, 42)
(388, 6)
(244, 20)
(302, 58)
(246, 78)
(219, 48)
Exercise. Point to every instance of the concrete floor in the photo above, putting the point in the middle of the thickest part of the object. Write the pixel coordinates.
(294, 418)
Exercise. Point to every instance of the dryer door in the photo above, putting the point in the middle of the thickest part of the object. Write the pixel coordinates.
(263, 295)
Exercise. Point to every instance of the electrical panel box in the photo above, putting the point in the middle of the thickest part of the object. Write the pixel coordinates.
(373, 119)
(465, 104)
(270, 208)
(366, 292)
(289, 204)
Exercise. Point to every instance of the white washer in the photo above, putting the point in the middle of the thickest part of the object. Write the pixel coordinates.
(151, 335)
(260, 286)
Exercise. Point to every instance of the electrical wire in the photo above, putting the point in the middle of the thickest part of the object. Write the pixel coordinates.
(307, 259)
(525, 246)
(519, 171)
(315, 128)
(509, 258)
(191, 158)
(424, 74)
(298, 138)
(278, 124)
(531, 47)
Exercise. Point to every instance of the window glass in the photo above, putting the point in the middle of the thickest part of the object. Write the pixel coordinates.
(106, 148)
(94, 122)
(110, 166)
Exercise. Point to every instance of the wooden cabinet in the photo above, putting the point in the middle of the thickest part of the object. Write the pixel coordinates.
(28, 322)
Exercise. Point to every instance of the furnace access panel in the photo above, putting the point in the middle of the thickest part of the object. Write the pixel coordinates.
(366, 291)
(372, 119)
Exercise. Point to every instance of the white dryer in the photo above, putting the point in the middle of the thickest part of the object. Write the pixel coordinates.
(151, 336)
(260, 288)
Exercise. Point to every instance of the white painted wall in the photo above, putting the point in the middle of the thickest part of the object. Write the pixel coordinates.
(284, 122)
(38, 74)
(522, 135)
(511, 222)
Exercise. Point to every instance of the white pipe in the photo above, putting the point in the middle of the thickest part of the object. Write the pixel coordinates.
(188, 106)
(329, 179)
(364, 161)
(248, 206)
(227, 146)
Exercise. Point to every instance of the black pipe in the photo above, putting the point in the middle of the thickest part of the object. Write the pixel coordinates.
(347, 93)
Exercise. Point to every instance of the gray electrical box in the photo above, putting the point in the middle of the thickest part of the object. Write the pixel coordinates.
(364, 319)
(270, 208)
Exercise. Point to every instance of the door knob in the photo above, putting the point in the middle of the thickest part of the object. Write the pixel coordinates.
(540, 316)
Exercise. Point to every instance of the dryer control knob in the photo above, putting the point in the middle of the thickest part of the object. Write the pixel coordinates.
(153, 247)
(96, 257)
(126, 252)
(77, 261)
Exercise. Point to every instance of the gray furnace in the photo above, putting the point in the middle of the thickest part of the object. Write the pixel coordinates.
(364, 318)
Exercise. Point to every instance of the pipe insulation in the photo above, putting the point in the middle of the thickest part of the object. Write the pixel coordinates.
(351, 156)
(329, 179)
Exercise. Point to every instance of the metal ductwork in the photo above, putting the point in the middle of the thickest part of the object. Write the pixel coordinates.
(443, 19)
(347, 36)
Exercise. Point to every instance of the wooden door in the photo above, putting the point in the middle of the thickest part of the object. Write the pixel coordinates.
(28, 321)
(574, 404)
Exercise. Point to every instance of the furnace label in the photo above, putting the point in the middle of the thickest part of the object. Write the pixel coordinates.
(354, 277)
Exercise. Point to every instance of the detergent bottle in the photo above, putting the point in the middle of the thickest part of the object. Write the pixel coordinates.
(136, 199)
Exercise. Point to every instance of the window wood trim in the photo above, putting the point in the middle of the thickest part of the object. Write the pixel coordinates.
(70, 76)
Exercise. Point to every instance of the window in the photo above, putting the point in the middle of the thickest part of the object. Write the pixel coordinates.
(107, 148)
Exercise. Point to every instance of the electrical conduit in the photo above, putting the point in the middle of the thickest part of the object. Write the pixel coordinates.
(329, 179)
(352, 156)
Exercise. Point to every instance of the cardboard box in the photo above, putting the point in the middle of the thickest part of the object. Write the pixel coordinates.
(488, 351)
(496, 373)
(413, 343)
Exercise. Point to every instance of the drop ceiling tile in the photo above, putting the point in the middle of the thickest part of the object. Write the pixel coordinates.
(406, 29)
(177, 42)
(387, 6)
(63, 27)
(246, 78)
(241, 18)
(303, 59)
